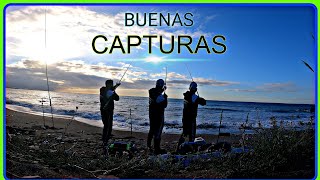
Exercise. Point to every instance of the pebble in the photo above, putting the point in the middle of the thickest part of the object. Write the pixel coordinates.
(34, 147)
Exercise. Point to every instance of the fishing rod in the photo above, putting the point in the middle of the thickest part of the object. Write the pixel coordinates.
(165, 80)
(124, 73)
(44, 121)
(305, 63)
(219, 126)
(116, 86)
(191, 76)
(45, 46)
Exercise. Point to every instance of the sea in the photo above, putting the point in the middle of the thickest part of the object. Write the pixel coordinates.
(132, 112)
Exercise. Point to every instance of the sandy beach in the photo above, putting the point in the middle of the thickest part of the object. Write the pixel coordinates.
(82, 130)
(27, 140)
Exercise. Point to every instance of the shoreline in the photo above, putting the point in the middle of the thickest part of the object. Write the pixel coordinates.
(99, 124)
(25, 120)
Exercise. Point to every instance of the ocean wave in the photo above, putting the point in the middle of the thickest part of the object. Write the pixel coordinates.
(235, 112)
(220, 109)
(144, 124)
(172, 125)
(291, 111)
(210, 126)
(28, 105)
(66, 112)
(90, 116)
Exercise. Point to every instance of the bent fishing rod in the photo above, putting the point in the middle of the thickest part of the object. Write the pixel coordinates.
(116, 86)
(191, 77)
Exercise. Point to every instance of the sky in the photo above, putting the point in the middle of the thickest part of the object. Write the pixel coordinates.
(262, 63)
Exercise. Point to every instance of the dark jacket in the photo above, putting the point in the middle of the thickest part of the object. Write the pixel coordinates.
(105, 100)
(154, 107)
(190, 109)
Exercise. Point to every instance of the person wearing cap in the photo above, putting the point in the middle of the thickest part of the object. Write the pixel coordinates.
(190, 111)
(157, 103)
(107, 98)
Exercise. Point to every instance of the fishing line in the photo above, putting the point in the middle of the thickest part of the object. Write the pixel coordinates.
(189, 71)
(190, 76)
(124, 73)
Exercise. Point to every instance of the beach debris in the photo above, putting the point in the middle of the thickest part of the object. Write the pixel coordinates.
(53, 150)
(34, 147)
(59, 138)
(187, 159)
(30, 177)
(120, 148)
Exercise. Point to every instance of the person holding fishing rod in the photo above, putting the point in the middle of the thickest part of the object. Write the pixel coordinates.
(190, 112)
(158, 101)
(107, 97)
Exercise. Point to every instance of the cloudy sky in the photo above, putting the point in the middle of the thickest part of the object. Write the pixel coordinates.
(265, 46)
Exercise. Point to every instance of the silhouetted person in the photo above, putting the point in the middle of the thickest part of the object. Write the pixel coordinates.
(107, 98)
(190, 111)
(157, 103)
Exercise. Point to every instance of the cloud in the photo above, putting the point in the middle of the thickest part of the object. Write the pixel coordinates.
(178, 79)
(241, 90)
(270, 88)
(24, 77)
(70, 31)
(203, 82)
(279, 87)
(170, 75)
(30, 74)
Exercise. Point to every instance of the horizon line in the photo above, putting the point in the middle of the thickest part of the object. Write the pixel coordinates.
(173, 98)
